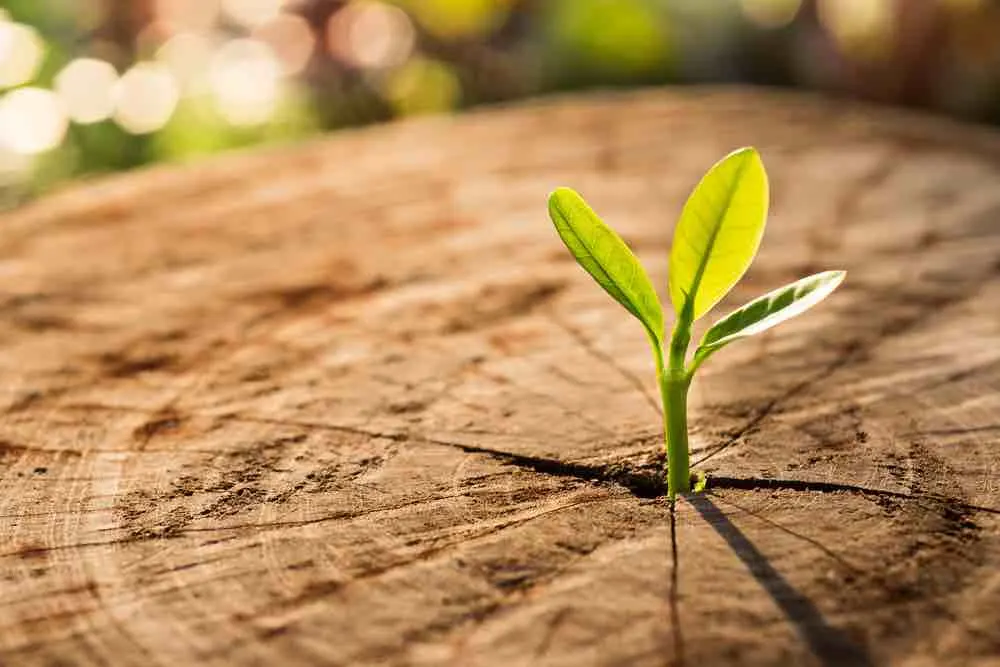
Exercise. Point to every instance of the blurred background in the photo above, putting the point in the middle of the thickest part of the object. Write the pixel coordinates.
(92, 86)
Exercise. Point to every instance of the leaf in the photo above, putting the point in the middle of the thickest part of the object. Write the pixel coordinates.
(773, 308)
(606, 257)
(701, 481)
(719, 231)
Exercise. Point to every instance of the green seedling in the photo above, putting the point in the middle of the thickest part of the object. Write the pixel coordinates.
(714, 243)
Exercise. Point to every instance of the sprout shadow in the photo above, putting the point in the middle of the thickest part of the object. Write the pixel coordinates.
(831, 646)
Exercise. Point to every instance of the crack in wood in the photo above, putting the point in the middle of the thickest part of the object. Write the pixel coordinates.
(587, 346)
(645, 483)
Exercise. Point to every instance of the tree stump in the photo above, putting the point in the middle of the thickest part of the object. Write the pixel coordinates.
(353, 403)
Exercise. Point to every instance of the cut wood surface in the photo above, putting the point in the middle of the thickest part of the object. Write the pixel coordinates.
(352, 402)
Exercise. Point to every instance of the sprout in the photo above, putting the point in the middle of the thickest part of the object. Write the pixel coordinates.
(714, 244)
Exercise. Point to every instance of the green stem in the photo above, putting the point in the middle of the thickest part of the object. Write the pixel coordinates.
(674, 381)
(674, 392)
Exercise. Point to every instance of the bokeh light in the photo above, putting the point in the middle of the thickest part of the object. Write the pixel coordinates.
(291, 39)
(370, 34)
(459, 18)
(423, 85)
(32, 121)
(185, 55)
(771, 13)
(244, 81)
(21, 51)
(252, 13)
(145, 98)
(225, 73)
(863, 28)
(86, 87)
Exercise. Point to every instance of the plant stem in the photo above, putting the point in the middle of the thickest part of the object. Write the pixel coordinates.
(674, 381)
(678, 465)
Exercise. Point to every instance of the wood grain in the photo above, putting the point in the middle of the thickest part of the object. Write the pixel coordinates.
(352, 403)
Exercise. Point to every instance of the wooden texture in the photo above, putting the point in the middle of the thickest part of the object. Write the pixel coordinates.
(352, 403)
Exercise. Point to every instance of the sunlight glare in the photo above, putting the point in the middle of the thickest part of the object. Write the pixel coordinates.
(32, 121)
(86, 87)
(244, 76)
(145, 98)
(291, 39)
(21, 51)
(371, 34)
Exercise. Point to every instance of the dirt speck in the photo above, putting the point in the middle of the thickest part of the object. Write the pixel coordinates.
(164, 423)
(32, 551)
(234, 502)
(168, 525)
(118, 365)
(300, 297)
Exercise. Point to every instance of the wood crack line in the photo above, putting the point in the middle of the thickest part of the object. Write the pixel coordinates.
(647, 484)
(641, 482)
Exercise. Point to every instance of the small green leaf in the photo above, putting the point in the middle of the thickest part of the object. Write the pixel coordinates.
(773, 308)
(701, 481)
(719, 231)
(606, 257)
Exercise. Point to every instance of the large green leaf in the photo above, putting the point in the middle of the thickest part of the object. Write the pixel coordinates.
(606, 257)
(773, 308)
(719, 231)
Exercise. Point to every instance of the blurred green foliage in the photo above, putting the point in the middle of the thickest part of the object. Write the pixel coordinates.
(277, 70)
(608, 40)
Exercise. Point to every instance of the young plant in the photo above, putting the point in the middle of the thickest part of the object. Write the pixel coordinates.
(714, 243)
